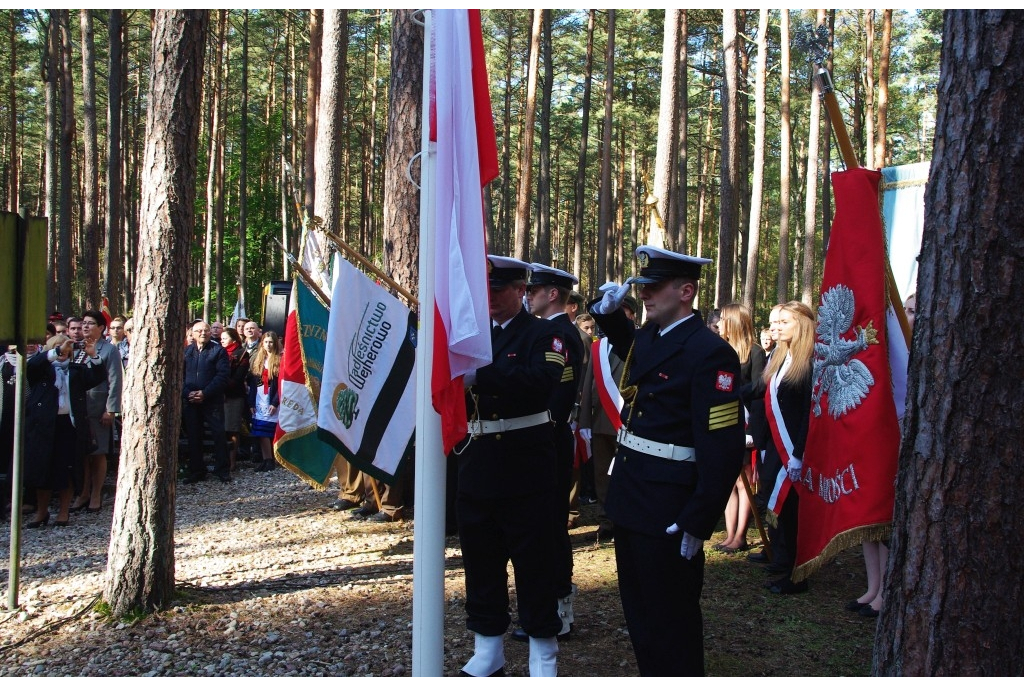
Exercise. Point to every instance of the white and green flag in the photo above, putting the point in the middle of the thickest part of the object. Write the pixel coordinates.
(367, 397)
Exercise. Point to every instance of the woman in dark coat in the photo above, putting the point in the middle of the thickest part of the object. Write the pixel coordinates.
(57, 430)
(236, 392)
(788, 408)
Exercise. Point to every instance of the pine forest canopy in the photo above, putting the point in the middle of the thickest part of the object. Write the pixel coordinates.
(256, 89)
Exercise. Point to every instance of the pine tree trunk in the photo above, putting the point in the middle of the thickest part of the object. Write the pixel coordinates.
(65, 247)
(12, 107)
(810, 198)
(312, 102)
(90, 168)
(522, 235)
(678, 206)
(579, 197)
(140, 565)
(668, 122)
(401, 200)
(52, 207)
(243, 164)
(112, 286)
(543, 251)
(953, 599)
(757, 183)
(328, 119)
(869, 88)
(729, 211)
(785, 138)
(211, 174)
(883, 90)
(606, 204)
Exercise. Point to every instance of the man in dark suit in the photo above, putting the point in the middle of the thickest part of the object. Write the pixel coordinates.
(680, 451)
(547, 294)
(507, 498)
(206, 376)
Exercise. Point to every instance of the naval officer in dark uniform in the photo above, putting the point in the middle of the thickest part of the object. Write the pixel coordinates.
(507, 496)
(547, 294)
(679, 452)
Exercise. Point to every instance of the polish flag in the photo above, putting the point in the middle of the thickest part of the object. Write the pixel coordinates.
(467, 159)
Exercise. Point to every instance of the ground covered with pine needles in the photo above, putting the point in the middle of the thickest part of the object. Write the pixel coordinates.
(272, 582)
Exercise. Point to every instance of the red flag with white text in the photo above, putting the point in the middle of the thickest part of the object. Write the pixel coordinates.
(847, 486)
(467, 159)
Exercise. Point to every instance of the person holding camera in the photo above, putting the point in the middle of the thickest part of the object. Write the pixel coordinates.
(58, 432)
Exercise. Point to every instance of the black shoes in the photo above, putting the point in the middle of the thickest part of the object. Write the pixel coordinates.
(785, 586)
(194, 478)
(344, 505)
(223, 478)
(758, 558)
(855, 606)
(500, 673)
(39, 523)
(867, 611)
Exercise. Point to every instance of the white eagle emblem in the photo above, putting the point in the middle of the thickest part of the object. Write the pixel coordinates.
(837, 374)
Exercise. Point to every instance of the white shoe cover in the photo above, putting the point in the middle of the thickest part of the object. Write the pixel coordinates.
(543, 653)
(488, 655)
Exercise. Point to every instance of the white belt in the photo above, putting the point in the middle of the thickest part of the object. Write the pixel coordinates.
(655, 449)
(503, 425)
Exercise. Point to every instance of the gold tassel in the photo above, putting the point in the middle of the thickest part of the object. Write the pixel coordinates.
(877, 532)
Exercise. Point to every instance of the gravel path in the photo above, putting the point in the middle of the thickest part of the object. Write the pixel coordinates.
(271, 581)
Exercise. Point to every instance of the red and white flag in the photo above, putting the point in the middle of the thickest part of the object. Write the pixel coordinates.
(467, 159)
(105, 311)
(847, 488)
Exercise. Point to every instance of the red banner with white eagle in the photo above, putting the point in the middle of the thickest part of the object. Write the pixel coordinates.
(849, 470)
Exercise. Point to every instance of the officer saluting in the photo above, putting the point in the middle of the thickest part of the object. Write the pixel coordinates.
(679, 453)
(507, 496)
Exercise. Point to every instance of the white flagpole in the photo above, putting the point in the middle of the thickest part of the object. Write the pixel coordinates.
(428, 542)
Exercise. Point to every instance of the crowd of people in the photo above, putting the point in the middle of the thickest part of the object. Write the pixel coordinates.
(669, 428)
(73, 402)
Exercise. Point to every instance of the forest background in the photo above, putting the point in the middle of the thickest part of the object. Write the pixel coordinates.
(602, 92)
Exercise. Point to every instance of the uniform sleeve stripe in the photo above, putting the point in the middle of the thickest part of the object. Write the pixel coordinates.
(554, 357)
(725, 409)
(567, 374)
(722, 424)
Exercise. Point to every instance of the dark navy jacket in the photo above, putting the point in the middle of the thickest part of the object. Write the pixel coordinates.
(206, 369)
(688, 394)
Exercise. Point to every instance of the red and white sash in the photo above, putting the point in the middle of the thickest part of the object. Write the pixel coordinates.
(783, 441)
(607, 390)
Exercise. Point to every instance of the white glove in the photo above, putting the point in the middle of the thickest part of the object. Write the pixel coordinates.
(614, 294)
(794, 469)
(750, 442)
(689, 546)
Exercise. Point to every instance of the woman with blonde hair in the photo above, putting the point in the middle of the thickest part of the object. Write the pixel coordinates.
(737, 328)
(264, 399)
(788, 376)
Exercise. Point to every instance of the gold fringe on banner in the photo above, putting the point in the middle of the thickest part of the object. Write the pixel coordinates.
(877, 532)
(303, 476)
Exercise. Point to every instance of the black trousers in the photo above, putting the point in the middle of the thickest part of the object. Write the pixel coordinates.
(492, 532)
(660, 593)
(565, 446)
(212, 412)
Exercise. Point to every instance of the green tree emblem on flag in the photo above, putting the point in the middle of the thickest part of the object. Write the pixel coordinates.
(345, 401)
